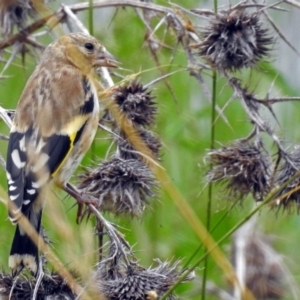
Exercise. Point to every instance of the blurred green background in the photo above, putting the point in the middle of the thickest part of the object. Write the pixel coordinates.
(184, 126)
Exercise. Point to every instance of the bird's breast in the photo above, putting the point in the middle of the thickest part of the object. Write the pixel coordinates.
(82, 144)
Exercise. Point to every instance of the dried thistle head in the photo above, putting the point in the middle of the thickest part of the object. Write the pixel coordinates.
(121, 186)
(258, 265)
(14, 13)
(136, 102)
(243, 167)
(235, 39)
(127, 151)
(51, 287)
(137, 283)
(290, 194)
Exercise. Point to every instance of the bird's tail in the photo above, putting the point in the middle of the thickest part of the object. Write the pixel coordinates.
(24, 252)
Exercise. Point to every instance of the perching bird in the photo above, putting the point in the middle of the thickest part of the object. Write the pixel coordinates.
(55, 123)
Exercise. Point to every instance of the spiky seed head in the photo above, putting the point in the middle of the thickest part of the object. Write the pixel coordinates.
(136, 102)
(121, 186)
(52, 287)
(290, 194)
(137, 283)
(15, 13)
(244, 168)
(235, 39)
(127, 150)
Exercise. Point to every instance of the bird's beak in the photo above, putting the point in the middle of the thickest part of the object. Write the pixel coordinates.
(105, 59)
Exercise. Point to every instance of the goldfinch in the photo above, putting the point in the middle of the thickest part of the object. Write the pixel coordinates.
(55, 123)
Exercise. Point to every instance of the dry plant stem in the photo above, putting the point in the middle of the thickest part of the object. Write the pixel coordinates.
(5, 117)
(115, 3)
(277, 100)
(113, 233)
(292, 2)
(160, 69)
(196, 73)
(4, 137)
(253, 114)
(56, 17)
(22, 35)
(99, 232)
(2, 162)
(263, 6)
(158, 79)
(277, 29)
(38, 280)
(193, 12)
(16, 49)
(72, 17)
(35, 44)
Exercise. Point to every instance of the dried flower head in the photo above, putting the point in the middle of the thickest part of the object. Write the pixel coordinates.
(134, 282)
(235, 39)
(14, 13)
(51, 287)
(136, 102)
(244, 168)
(121, 186)
(292, 191)
(258, 265)
(127, 150)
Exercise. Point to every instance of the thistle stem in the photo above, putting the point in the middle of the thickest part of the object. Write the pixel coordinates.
(210, 189)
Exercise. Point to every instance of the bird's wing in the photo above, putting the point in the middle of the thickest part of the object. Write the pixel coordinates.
(34, 155)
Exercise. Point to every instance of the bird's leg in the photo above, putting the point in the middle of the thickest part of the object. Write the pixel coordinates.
(80, 198)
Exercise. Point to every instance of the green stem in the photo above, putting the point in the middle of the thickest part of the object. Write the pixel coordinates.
(215, 6)
(225, 215)
(210, 187)
(91, 17)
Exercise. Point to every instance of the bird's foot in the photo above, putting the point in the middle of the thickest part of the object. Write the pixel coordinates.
(82, 200)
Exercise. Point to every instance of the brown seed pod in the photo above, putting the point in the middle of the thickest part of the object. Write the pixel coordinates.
(235, 39)
(243, 167)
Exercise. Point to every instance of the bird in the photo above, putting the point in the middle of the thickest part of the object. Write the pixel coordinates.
(54, 125)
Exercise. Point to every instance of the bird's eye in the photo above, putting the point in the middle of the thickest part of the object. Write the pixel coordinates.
(89, 46)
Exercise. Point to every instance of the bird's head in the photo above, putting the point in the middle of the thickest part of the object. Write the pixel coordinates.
(79, 46)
